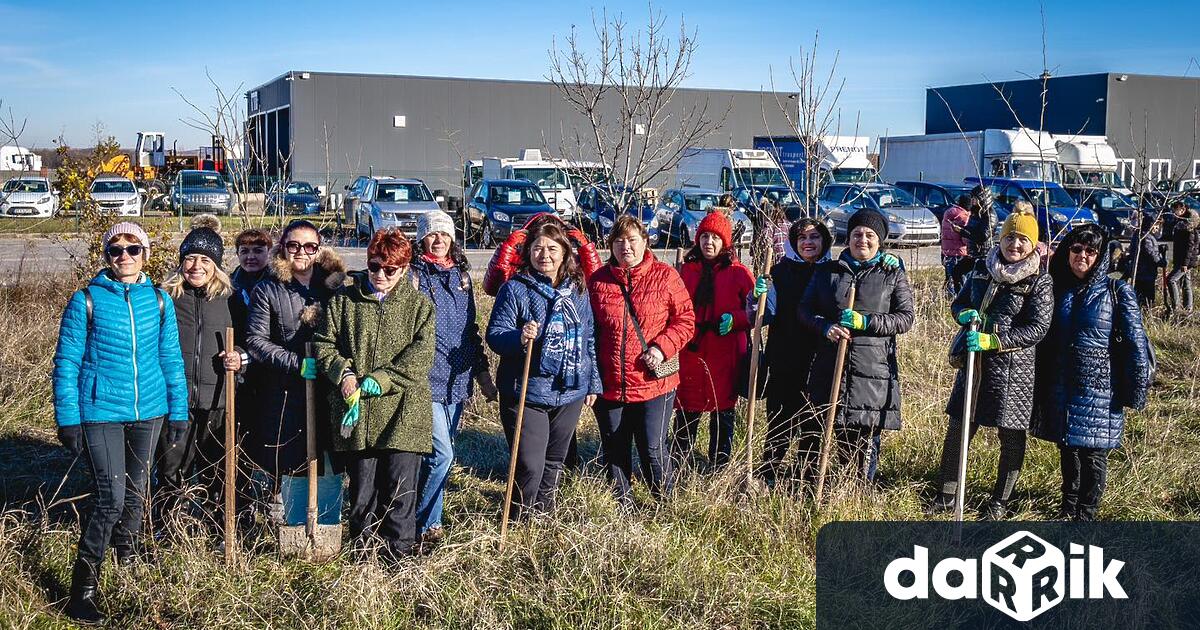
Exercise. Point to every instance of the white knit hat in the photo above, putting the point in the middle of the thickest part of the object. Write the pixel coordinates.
(434, 221)
(129, 228)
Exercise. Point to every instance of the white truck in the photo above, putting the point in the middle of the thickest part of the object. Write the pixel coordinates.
(20, 159)
(951, 157)
(1089, 161)
(728, 169)
(845, 159)
(549, 176)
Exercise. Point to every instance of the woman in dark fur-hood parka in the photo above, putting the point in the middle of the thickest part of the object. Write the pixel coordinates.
(285, 311)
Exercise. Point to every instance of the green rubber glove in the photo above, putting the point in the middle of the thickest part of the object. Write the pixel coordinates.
(982, 342)
(308, 369)
(350, 418)
(966, 315)
(853, 320)
(889, 261)
(370, 387)
(725, 325)
(760, 287)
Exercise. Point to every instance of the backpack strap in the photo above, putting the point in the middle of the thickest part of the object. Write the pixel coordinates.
(162, 305)
(90, 305)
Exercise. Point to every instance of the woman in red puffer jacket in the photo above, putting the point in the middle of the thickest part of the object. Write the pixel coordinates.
(719, 285)
(636, 405)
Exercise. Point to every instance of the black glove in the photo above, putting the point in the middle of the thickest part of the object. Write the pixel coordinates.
(177, 433)
(72, 438)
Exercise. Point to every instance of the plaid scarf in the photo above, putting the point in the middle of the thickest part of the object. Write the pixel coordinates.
(562, 343)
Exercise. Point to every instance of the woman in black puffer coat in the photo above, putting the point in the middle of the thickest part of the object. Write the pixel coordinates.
(1019, 302)
(1095, 362)
(883, 308)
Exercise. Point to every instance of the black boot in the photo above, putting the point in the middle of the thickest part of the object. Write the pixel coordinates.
(942, 504)
(85, 579)
(996, 510)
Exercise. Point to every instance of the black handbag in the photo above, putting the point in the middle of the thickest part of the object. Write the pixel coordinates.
(668, 366)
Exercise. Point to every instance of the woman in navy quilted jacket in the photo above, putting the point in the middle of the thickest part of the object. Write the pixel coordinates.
(1094, 362)
(118, 377)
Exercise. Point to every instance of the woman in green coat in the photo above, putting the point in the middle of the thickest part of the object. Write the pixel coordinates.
(377, 344)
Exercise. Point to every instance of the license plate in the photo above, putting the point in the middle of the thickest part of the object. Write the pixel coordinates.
(22, 211)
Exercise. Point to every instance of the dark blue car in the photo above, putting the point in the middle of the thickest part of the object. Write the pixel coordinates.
(1050, 201)
(498, 206)
(600, 212)
(293, 198)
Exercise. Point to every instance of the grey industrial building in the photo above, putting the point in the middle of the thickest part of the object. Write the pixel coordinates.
(322, 125)
(1153, 122)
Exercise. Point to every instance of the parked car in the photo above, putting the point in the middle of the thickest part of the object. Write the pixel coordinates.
(936, 197)
(116, 194)
(599, 211)
(378, 202)
(201, 191)
(679, 214)
(1050, 201)
(908, 222)
(28, 197)
(293, 198)
(496, 207)
(1114, 211)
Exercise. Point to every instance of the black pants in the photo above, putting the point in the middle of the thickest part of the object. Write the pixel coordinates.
(199, 460)
(1012, 457)
(1084, 471)
(1145, 290)
(383, 498)
(546, 435)
(119, 455)
(720, 436)
(791, 419)
(857, 451)
(1179, 290)
(622, 425)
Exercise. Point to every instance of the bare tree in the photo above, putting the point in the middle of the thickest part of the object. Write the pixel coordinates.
(624, 86)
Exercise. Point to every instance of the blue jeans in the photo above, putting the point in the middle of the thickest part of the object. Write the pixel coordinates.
(435, 467)
(330, 491)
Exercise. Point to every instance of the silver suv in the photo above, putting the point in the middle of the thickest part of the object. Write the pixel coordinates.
(378, 202)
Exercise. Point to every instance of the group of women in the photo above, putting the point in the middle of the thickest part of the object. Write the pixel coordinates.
(651, 349)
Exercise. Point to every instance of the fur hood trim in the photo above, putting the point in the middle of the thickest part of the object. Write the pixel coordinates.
(329, 267)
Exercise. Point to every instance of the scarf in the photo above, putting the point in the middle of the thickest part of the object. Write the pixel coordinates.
(562, 342)
(705, 288)
(857, 265)
(443, 263)
(1012, 273)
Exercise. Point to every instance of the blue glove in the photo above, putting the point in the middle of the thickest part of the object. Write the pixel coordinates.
(350, 418)
(853, 320)
(889, 261)
(308, 369)
(370, 387)
(760, 287)
(966, 315)
(725, 325)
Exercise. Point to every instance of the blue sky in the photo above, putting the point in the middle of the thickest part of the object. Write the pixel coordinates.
(66, 67)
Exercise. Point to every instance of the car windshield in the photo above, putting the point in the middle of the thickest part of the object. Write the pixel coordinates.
(1051, 195)
(584, 176)
(1022, 169)
(514, 195)
(202, 180)
(25, 186)
(402, 193)
(1111, 200)
(700, 203)
(760, 176)
(542, 177)
(300, 188)
(891, 197)
(853, 175)
(112, 186)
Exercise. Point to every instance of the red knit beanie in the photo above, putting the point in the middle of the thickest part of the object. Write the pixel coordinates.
(717, 223)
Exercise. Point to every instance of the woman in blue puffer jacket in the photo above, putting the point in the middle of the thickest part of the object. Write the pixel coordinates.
(1094, 362)
(118, 375)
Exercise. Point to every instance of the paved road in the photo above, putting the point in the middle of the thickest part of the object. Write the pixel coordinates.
(41, 254)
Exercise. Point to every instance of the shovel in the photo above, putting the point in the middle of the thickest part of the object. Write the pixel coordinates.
(835, 391)
(230, 455)
(755, 344)
(312, 541)
(965, 439)
(512, 462)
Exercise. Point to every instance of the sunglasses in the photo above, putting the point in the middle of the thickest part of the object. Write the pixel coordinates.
(294, 247)
(1084, 250)
(114, 251)
(389, 270)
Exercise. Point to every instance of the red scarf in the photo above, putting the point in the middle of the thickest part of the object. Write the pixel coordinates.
(444, 263)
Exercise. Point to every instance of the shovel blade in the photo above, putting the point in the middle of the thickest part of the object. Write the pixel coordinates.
(324, 545)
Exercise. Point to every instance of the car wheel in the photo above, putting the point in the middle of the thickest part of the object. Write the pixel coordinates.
(487, 237)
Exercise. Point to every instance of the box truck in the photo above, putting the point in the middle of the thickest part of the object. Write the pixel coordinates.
(842, 158)
(1088, 161)
(951, 157)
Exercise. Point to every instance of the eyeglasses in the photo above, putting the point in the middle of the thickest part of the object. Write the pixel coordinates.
(1083, 250)
(388, 270)
(294, 247)
(114, 251)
